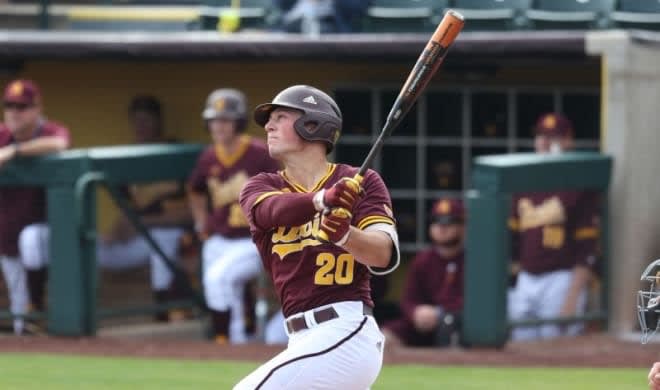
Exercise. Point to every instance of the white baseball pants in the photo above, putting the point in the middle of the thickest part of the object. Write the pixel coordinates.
(343, 353)
(227, 265)
(35, 252)
(539, 297)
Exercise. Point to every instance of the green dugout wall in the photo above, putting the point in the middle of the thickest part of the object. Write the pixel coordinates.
(71, 178)
(494, 180)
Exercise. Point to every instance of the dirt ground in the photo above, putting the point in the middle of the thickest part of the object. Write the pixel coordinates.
(598, 350)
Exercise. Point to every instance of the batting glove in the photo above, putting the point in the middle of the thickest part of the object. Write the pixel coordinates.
(342, 194)
(335, 226)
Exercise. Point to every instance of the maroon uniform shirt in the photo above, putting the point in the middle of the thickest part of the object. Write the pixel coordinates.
(431, 280)
(555, 230)
(306, 272)
(22, 206)
(221, 176)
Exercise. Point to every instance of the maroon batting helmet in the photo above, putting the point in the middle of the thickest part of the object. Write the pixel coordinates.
(227, 103)
(321, 119)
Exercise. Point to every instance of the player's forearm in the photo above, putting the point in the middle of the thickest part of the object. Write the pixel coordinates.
(198, 208)
(41, 145)
(372, 248)
(284, 210)
(579, 281)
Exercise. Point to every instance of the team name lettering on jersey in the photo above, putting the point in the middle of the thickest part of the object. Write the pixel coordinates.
(288, 240)
(549, 212)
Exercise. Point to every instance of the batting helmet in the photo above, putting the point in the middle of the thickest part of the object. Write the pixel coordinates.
(648, 301)
(321, 119)
(227, 103)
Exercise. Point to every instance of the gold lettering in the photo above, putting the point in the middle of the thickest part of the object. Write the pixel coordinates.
(295, 239)
(224, 193)
(284, 235)
(283, 250)
(550, 212)
(553, 237)
(236, 217)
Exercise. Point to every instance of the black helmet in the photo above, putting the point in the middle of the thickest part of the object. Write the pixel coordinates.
(227, 103)
(321, 119)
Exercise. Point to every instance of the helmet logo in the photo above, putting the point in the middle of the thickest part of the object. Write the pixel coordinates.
(16, 89)
(550, 122)
(310, 99)
(220, 104)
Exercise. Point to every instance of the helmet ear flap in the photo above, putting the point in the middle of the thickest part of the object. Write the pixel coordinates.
(318, 126)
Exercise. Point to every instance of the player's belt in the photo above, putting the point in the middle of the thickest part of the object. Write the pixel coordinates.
(298, 323)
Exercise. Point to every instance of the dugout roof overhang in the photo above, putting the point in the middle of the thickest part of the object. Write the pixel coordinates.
(471, 47)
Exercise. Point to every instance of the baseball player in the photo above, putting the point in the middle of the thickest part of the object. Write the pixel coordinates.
(320, 232)
(25, 132)
(161, 206)
(229, 258)
(555, 242)
(433, 293)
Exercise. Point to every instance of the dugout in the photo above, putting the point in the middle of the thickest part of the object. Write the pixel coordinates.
(484, 100)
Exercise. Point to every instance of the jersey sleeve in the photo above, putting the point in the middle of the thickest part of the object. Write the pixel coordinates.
(59, 131)
(197, 178)
(374, 213)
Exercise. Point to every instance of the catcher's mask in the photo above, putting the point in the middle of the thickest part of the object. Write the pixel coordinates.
(648, 301)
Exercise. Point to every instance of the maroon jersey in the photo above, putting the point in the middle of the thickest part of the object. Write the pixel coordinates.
(431, 280)
(555, 230)
(22, 206)
(221, 176)
(306, 272)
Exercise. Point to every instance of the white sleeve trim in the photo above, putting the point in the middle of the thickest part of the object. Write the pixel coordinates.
(390, 231)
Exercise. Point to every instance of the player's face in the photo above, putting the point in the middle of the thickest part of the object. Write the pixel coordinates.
(282, 137)
(450, 235)
(222, 130)
(146, 127)
(552, 144)
(21, 118)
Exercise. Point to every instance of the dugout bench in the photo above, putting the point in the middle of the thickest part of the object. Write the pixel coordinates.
(71, 178)
(488, 250)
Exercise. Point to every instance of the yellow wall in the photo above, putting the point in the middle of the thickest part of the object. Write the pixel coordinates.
(91, 96)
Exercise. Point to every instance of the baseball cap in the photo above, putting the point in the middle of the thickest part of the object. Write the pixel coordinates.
(553, 124)
(22, 92)
(448, 210)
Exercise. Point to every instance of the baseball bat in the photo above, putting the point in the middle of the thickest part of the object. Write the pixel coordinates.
(427, 64)
(425, 67)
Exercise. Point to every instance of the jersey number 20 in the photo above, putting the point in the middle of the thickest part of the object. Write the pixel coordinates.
(333, 270)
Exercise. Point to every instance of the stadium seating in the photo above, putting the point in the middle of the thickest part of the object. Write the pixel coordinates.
(643, 14)
(570, 14)
(488, 15)
(402, 15)
(131, 18)
(251, 13)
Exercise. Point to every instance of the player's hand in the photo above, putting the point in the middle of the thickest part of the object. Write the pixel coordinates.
(425, 317)
(6, 154)
(654, 377)
(343, 194)
(335, 226)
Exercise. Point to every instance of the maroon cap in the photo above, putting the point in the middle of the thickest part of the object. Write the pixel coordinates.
(22, 92)
(448, 210)
(553, 124)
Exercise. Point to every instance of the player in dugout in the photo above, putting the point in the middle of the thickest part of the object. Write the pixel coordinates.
(25, 132)
(432, 298)
(555, 243)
